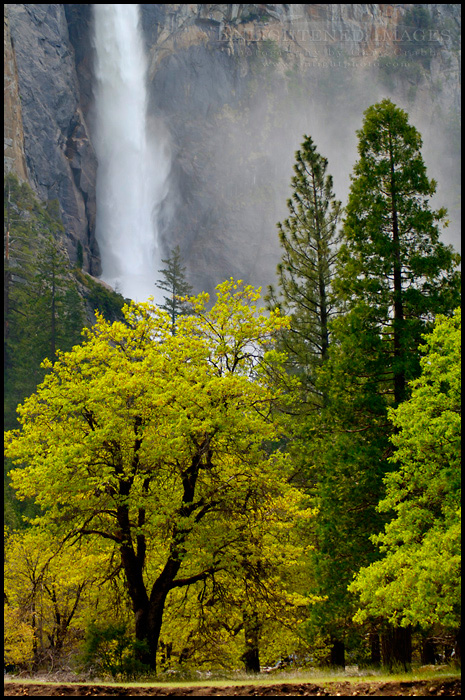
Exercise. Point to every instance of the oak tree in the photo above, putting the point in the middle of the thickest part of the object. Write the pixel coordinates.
(47, 588)
(160, 445)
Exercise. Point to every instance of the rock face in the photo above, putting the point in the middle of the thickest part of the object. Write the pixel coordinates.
(60, 160)
(233, 90)
(14, 158)
(239, 86)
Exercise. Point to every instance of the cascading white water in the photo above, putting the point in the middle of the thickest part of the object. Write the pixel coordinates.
(132, 166)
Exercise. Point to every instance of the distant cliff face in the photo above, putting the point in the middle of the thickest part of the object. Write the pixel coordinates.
(59, 156)
(239, 85)
(14, 157)
(233, 89)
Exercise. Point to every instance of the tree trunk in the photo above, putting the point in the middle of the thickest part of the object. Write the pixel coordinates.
(158, 596)
(396, 648)
(250, 656)
(458, 648)
(428, 651)
(375, 646)
(165, 654)
(323, 315)
(337, 654)
(148, 611)
(149, 617)
(398, 326)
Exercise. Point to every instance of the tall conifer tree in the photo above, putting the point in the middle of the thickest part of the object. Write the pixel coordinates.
(57, 309)
(394, 271)
(44, 311)
(174, 282)
(394, 276)
(309, 241)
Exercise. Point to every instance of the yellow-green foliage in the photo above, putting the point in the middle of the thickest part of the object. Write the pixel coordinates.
(18, 637)
(164, 448)
(47, 586)
(418, 579)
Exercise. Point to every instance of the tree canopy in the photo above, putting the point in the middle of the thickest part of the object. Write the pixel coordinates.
(417, 580)
(393, 276)
(226, 483)
(161, 446)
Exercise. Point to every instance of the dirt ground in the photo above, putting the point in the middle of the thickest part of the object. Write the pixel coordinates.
(445, 688)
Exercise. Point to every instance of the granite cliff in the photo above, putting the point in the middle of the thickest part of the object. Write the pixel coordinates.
(53, 136)
(233, 88)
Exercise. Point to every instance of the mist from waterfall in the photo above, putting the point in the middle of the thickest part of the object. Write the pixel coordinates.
(132, 166)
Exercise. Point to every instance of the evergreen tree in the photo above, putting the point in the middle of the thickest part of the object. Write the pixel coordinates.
(57, 309)
(309, 241)
(394, 271)
(20, 244)
(43, 309)
(175, 284)
(394, 276)
(417, 580)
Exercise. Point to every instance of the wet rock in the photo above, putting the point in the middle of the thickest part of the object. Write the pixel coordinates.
(60, 159)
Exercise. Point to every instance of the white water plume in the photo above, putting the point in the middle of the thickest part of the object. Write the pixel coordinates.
(132, 166)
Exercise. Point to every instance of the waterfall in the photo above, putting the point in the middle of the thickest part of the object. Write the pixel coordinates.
(132, 164)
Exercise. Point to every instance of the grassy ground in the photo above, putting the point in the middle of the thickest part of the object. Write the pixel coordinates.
(317, 676)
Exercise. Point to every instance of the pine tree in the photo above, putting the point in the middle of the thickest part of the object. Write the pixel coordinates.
(394, 276)
(309, 241)
(43, 309)
(394, 270)
(46, 312)
(56, 310)
(175, 284)
(20, 245)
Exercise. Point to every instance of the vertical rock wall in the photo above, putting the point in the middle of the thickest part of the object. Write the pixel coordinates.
(60, 161)
(14, 158)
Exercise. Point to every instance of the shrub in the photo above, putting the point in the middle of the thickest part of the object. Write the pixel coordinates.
(109, 649)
